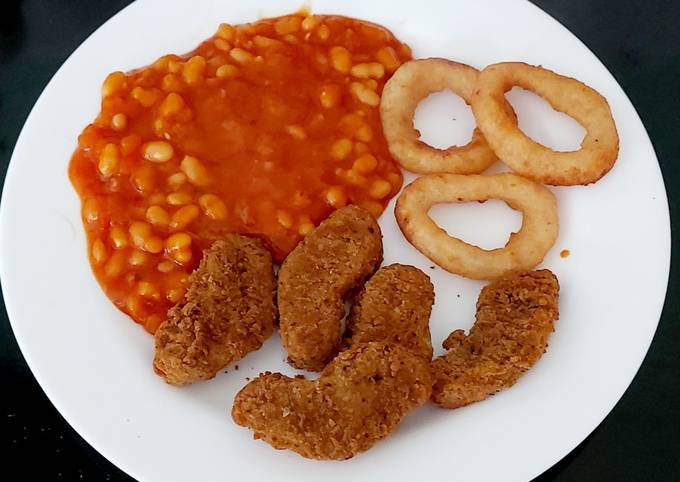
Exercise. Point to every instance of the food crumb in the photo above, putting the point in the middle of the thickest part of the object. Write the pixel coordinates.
(300, 377)
(247, 379)
(236, 367)
(565, 253)
(432, 267)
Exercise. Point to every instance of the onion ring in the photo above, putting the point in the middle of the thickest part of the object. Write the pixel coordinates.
(599, 148)
(410, 84)
(523, 251)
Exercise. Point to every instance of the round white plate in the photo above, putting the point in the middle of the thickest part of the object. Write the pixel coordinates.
(95, 364)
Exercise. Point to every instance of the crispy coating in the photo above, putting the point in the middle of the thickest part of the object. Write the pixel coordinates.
(410, 84)
(599, 148)
(359, 399)
(394, 307)
(524, 250)
(315, 279)
(515, 316)
(227, 312)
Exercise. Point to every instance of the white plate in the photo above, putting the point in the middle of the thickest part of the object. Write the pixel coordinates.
(95, 364)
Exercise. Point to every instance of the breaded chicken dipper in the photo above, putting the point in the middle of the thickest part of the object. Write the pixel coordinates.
(359, 399)
(227, 312)
(515, 315)
(394, 307)
(315, 279)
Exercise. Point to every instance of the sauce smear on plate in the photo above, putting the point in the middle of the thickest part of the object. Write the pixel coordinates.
(264, 129)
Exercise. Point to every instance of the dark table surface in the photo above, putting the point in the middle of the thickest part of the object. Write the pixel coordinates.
(639, 41)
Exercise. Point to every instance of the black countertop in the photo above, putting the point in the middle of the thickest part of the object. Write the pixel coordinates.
(638, 41)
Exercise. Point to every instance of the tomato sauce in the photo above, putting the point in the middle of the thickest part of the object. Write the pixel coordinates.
(264, 129)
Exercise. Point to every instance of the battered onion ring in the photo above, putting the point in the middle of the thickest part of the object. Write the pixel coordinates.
(410, 84)
(599, 148)
(524, 250)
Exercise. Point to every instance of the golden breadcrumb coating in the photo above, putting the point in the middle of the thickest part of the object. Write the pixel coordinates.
(359, 399)
(394, 307)
(227, 312)
(315, 279)
(515, 316)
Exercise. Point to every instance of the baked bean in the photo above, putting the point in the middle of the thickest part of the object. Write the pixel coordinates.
(140, 232)
(265, 42)
(364, 94)
(175, 295)
(157, 216)
(370, 83)
(182, 256)
(360, 148)
(99, 252)
(178, 242)
(118, 122)
(341, 59)
(355, 178)
(178, 198)
(330, 95)
(130, 144)
(341, 149)
(395, 180)
(193, 69)
(91, 210)
(241, 56)
(365, 164)
(323, 32)
(223, 45)
(158, 151)
(388, 58)
(287, 25)
(171, 83)
(336, 196)
(176, 180)
(195, 171)
(213, 207)
(227, 32)
(310, 23)
(184, 216)
(146, 97)
(172, 104)
(305, 225)
(138, 258)
(379, 189)
(108, 160)
(175, 66)
(296, 132)
(153, 245)
(119, 238)
(148, 290)
(284, 218)
(226, 71)
(364, 133)
(114, 83)
(114, 266)
(165, 266)
(370, 69)
(373, 207)
(144, 179)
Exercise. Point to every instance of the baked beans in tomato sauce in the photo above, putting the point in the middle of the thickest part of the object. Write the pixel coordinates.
(264, 129)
